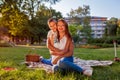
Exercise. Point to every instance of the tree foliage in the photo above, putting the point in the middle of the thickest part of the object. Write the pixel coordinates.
(112, 26)
(13, 18)
(81, 16)
(75, 31)
(118, 29)
(28, 17)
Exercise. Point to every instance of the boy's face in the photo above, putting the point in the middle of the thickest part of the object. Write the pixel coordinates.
(52, 26)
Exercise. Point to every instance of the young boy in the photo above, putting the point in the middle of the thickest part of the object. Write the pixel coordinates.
(52, 38)
(52, 33)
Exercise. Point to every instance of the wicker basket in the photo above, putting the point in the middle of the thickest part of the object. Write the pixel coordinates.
(32, 58)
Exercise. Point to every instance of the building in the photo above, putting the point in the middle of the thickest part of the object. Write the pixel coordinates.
(97, 26)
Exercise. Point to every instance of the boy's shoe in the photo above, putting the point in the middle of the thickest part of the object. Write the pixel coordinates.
(40, 58)
(88, 72)
(27, 63)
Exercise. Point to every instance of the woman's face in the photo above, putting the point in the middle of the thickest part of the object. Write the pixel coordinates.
(61, 26)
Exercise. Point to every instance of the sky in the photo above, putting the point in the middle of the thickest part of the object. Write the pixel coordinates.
(100, 8)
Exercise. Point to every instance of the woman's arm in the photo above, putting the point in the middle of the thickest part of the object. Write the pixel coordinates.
(69, 50)
(59, 53)
(69, 45)
(55, 59)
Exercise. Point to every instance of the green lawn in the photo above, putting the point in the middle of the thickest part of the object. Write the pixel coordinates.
(14, 56)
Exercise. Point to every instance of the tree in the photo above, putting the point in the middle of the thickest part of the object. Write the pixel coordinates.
(55, 14)
(118, 29)
(40, 28)
(75, 32)
(12, 18)
(31, 7)
(81, 16)
(86, 27)
(52, 1)
(112, 26)
(19, 16)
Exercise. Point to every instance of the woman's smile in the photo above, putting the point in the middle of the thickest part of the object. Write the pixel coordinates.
(60, 28)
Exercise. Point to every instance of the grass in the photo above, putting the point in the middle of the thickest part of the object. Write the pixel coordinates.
(14, 56)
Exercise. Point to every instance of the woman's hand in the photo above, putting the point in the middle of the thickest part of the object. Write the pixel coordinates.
(55, 59)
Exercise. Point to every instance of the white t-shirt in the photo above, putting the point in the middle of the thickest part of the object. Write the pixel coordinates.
(49, 35)
(61, 44)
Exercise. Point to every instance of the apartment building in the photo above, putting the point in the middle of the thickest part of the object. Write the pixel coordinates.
(97, 26)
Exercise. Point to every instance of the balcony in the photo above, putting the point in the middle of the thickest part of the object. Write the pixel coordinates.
(97, 24)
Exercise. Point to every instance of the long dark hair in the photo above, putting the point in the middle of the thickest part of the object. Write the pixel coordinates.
(67, 33)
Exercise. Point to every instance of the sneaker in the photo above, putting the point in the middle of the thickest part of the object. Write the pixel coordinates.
(88, 72)
(40, 58)
(27, 63)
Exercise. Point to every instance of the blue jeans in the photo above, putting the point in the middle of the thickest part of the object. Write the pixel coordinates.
(67, 64)
(46, 61)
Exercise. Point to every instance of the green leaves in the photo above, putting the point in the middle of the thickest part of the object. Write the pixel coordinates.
(28, 17)
(112, 27)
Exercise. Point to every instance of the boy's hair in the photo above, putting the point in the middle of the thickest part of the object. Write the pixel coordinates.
(51, 20)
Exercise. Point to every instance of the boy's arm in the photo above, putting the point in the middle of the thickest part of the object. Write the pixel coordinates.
(51, 47)
(50, 41)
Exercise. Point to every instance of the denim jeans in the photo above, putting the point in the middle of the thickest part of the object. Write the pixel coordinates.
(67, 64)
(46, 61)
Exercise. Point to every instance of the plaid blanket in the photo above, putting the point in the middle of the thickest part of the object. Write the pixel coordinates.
(85, 64)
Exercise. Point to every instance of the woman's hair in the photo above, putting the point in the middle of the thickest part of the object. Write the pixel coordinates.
(67, 33)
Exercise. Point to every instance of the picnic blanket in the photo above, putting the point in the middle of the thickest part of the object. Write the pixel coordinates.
(85, 64)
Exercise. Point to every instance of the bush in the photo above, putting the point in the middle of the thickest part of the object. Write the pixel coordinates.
(107, 45)
(97, 40)
(96, 46)
(5, 44)
(103, 45)
(104, 42)
(89, 46)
